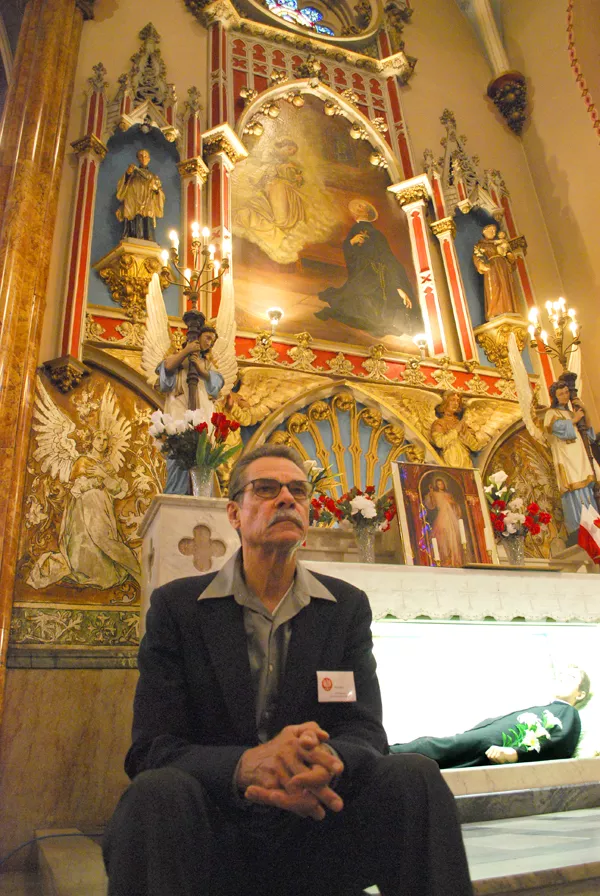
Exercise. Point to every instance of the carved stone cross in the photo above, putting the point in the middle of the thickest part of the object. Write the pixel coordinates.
(202, 548)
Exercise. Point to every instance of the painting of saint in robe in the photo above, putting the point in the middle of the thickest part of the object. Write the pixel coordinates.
(277, 205)
(377, 296)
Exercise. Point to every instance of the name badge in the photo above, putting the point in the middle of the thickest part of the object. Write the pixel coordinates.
(336, 687)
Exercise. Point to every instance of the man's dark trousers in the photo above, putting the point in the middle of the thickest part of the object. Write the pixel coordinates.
(168, 838)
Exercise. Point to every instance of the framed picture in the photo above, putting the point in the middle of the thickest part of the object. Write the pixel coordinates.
(442, 515)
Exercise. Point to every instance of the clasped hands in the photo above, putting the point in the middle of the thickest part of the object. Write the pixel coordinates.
(293, 771)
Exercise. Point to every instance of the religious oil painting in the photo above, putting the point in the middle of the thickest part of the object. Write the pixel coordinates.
(443, 516)
(92, 472)
(317, 234)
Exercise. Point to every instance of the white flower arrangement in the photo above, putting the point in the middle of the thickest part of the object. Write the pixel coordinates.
(364, 505)
(530, 730)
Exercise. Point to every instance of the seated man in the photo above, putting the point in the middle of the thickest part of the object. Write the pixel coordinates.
(258, 759)
(540, 732)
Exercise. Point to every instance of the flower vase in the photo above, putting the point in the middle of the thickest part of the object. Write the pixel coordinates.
(201, 479)
(515, 549)
(365, 542)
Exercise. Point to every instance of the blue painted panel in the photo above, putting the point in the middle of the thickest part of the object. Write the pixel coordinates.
(122, 149)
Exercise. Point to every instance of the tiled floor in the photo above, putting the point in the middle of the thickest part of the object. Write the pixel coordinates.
(537, 845)
(539, 854)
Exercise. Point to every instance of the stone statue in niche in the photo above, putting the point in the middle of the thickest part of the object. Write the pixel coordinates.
(143, 201)
(494, 259)
(451, 434)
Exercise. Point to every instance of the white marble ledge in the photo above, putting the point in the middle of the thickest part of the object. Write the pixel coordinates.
(471, 594)
(521, 776)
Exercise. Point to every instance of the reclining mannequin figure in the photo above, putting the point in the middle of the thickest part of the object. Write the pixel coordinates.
(549, 731)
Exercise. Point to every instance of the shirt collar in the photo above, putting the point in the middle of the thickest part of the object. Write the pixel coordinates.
(306, 585)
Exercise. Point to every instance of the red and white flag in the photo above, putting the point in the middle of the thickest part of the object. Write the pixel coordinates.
(589, 533)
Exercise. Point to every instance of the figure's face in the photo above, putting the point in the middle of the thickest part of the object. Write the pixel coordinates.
(567, 685)
(288, 149)
(489, 231)
(563, 394)
(143, 157)
(207, 340)
(452, 404)
(100, 442)
(440, 485)
(280, 522)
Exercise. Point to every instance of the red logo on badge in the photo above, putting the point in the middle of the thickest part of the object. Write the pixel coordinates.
(327, 684)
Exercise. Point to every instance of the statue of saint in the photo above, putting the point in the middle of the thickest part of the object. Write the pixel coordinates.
(143, 199)
(493, 257)
(451, 435)
(574, 471)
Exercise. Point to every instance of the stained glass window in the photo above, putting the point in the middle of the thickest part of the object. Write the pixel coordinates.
(313, 15)
(323, 29)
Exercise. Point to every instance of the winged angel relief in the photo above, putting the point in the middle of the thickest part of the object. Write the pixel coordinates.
(204, 369)
(92, 551)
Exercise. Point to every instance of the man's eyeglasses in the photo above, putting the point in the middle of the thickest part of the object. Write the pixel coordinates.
(300, 489)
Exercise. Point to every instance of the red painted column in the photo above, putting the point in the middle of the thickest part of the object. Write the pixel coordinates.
(90, 151)
(413, 196)
(222, 150)
(445, 230)
(217, 74)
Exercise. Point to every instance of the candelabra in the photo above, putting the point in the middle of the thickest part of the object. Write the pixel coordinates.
(203, 278)
(565, 339)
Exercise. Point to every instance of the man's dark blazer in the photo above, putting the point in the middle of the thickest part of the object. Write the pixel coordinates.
(194, 706)
(468, 748)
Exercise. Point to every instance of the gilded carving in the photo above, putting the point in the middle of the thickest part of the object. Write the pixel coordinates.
(444, 225)
(412, 374)
(67, 627)
(193, 104)
(477, 385)
(93, 329)
(66, 373)
(263, 351)
(340, 365)
(415, 193)
(92, 472)
(195, 167)
(509, 94)
(132, 334)
(519, 244)
(302, 355)
(128, 276)
(375, 366)
(493, 338)
(223, 139)
(531, 472)
(444, 376)
(90, 143)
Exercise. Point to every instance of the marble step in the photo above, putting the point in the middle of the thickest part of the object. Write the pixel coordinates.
(556, 854)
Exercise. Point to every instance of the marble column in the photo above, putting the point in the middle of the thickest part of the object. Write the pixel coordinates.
(32, 150)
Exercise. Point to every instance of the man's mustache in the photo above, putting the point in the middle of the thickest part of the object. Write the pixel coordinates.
(283, 516)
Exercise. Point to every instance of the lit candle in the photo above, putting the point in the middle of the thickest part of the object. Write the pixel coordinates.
(574, 327)
(571, 313)
(187, 274)
(216, 267)
(174, 239)
(205, 235)
(549, 306)
(533, 315)
(463, 536)
(195, 230)
(436, 553)
(544, 336)
(561, 304)
(211, 249)
(165, 256)
(531, 331)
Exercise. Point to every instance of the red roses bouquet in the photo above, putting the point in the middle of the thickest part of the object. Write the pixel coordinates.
(189, 442)
(360, 508)
(508, 513)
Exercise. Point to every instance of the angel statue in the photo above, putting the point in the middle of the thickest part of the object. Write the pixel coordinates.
(453, 435)
(576, 472)
(194, 377)
(91, 550)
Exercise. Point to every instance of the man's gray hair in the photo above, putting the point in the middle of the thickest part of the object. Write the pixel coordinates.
(237, 480)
